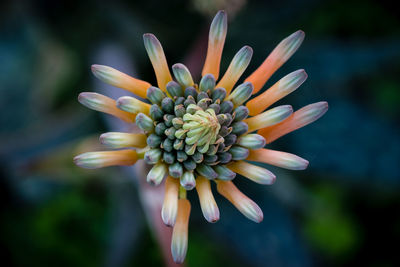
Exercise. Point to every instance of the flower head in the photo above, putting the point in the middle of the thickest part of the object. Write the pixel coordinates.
(194, 133)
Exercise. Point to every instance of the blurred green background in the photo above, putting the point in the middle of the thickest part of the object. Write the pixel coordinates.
(343, 210)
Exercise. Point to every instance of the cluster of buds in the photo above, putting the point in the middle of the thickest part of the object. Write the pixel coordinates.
(196, 133)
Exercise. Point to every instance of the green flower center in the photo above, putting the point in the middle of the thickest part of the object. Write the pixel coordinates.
(203, 128)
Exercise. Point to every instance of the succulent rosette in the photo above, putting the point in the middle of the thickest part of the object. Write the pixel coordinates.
(194, 133)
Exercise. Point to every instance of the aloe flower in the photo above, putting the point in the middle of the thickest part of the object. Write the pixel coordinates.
(194, 133)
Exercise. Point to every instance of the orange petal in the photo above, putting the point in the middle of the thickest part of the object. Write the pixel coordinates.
(179, 241)
(278, 158)
(282, 88)
(269, 117)
(298, 119)
(238, 65)
(100, 159)
(244, 204)
(253, 172)
(121, 140)
(170, 205)
(119, 79)
(275, 60)
(104, 104)
(158, 60)
(207, 202)
(216, 40)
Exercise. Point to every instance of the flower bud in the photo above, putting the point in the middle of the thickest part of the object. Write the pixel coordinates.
(168, 119)
(190, 149)
(215, 107)
(167, 145)
(156, 113)
(206, 171)
(177, 123)
(175, 170)
(239, 128)
(157, 173)
(241, 113)
(181, 156)
(188, 101)
(190, 91)
(167, 105)
(197, 157)
(160, 128)
(182, 75)
(180, 133)
(209, 159)
(224, 157)
(152, 156)
(238, 152)
(174, 89)
(144, 122)
(252, 141)
(241, 94)
(179, 110)
(226, 107)
(219, 93)
(154, 140)
(230, 139)
(207, 83)
(169, 157)
(201, 96)
(170, 133)
(189, 164)
(188, 180)
(224, 173)
(155, 95)
(179, 100)
(178, 144)
(204, 103)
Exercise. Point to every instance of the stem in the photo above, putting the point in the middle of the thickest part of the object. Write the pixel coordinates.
(182, 192)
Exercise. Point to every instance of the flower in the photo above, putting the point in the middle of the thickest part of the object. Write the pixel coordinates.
(196, 133)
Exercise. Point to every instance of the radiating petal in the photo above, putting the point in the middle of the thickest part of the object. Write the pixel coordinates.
(238, 65)
(241, 94)
(278, 158)
(100, 159)
(104, 104)
(179, 242)
(216, 40)
(282, 88)
(298, 119)
(158, 60)
(207, 202)
(285, 49)
(252, 141)
(119, 79)
(253, 172)
(121, 140)
(132, 105)
(170, 204)
(182, 75)
(244, 204)
(269, 117)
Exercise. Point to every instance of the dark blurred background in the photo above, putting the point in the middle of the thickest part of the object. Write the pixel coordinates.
(342, 211)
